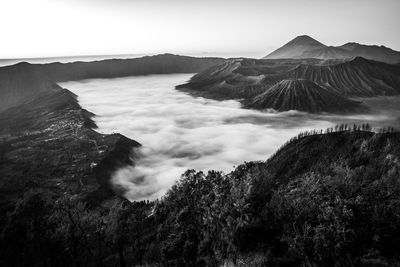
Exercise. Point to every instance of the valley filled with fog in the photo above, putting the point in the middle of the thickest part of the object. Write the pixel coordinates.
(179, 132)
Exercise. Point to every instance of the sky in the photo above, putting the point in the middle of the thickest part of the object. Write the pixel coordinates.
(253, 28)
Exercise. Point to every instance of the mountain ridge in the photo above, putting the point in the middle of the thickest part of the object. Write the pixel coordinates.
(303, 47)
(23, 81)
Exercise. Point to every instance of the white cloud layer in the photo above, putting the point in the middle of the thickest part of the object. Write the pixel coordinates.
(180, 132)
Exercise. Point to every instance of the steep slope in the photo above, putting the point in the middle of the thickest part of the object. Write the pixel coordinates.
(49, 144)
(231, 79)
(23, 81)
(295, 48)
(303, 95)
(358, 77)
(216, 74)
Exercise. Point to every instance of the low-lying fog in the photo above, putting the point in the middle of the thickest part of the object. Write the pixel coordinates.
(180, 132)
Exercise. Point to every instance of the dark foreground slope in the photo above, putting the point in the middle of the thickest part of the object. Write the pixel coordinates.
(23, 81)
(247, 78)
(322, 200)
(49, 143)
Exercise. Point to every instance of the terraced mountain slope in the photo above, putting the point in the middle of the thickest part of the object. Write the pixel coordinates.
(358, 77)
(303, 95)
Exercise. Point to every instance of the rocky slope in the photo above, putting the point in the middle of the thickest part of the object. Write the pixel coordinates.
(302, 95)
(247, 78)
(307, 47)
(358, 77)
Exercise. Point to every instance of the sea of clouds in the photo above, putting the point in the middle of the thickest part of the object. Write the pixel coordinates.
(180, 132)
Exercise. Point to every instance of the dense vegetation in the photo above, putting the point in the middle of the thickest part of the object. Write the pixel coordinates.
(324, 199)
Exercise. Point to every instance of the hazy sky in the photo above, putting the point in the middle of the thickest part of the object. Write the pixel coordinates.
(43, 28)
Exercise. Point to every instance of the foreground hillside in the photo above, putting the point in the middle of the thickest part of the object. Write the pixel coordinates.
(324, 199)
(250, 79)
(49, 143)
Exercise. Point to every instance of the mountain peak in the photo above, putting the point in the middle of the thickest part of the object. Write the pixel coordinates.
(296, 47)
(304, 46)
(305, 40)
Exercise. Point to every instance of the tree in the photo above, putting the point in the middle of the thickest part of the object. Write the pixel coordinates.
(27, 231)
(80, 231)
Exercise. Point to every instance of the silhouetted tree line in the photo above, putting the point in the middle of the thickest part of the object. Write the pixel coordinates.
(340, 213)
(338, 128)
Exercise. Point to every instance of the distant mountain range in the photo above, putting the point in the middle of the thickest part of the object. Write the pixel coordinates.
(245, 79)
(24, 81)
(306, 47)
